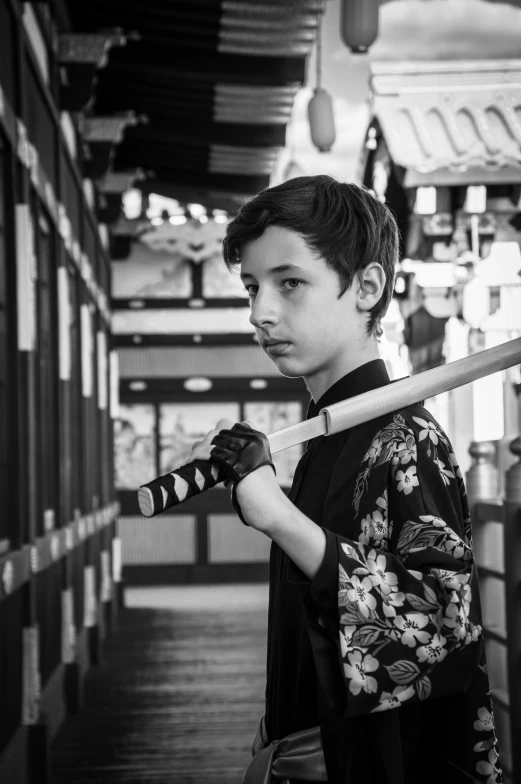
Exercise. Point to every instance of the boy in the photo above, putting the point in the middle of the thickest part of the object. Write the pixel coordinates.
(374, 628)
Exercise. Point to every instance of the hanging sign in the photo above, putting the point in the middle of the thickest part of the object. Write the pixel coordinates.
(26, 276)
(64, 324)
(116, 559)
(86, 351)
(102, 370)
(68, 627)
(90, 604)
(114, 385)
(106, 582)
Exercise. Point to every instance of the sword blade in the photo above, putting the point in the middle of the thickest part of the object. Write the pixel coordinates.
(296, 434)
(399, 394)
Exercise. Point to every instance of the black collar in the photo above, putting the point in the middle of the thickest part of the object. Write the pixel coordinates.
(364, 378)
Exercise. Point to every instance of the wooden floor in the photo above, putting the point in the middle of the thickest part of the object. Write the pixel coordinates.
(179, 695)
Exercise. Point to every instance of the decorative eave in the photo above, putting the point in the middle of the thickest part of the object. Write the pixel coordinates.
(451, 122)
(81, 56)
(112, 186)
(119, 182)
(107, 130)
(101, 135)
(90, 48)
(217, 85)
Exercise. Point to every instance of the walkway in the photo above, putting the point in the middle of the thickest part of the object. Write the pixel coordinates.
(180, 693)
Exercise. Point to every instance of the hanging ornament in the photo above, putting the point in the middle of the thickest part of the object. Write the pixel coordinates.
(320, 107)
(321, 120)
(359, 24)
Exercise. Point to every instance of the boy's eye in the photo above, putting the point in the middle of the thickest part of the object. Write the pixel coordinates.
(294, 283)
(289, 284)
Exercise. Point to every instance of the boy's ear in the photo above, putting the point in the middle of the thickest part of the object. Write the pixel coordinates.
(371, 284)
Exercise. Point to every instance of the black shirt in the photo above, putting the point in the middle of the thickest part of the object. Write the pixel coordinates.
(292, 691)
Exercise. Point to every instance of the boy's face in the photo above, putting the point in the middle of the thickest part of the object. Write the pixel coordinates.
(301, 323)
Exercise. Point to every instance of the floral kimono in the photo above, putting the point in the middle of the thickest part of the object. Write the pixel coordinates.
(408, 612)
(393, 615)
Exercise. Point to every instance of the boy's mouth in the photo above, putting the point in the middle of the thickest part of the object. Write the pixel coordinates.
(275, 346)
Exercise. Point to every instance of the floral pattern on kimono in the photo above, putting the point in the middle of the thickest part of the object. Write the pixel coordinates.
(410, 629)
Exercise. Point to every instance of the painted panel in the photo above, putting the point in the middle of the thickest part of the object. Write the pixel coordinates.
(180, 424)
(181, 321)
(134, 446)
(151, 273)
(219, 282)
(229, 541)
(167, 539)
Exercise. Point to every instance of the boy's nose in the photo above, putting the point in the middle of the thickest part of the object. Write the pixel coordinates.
(263, 312)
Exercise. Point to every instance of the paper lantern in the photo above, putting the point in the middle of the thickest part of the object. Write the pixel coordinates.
(359, 24)
(476, 302)
(425, 203)
(321, 120)
(476, 199)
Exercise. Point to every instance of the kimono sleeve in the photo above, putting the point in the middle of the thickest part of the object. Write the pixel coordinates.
(408, 628)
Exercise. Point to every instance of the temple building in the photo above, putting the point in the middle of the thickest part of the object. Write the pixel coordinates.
(443, 150)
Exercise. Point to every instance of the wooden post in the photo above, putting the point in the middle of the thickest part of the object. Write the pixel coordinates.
(512, 553)
(482, 477)
(482, 483)
(117, 580)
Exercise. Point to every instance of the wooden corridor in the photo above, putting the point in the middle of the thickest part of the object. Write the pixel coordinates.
(179, 695)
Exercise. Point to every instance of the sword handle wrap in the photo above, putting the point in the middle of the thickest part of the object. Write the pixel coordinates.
(178, 486)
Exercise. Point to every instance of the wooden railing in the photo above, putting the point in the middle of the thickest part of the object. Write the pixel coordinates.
(75, 576)
(497, 547)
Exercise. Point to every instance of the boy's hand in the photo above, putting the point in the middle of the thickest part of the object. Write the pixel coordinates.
(244, 455)
(240, 450)
(202, 450)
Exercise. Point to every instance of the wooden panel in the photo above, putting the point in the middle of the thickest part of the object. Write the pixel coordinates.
(79, 559)
(47, 375)
(11, 665)
(184, 361)
(492, 592)
(7, 51)
(76, 426)
(40, 127)
(486, 511)
(232, 542)
(90, 243)
(167, 539)
(489, 546)
(70, 195)
(14, 762)
(4, 451)
(497, 665)
(503, 732)
(49, 616)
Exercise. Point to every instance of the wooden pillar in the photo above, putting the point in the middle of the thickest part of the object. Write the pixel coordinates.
(482, 481)
(118, 592)
(512, 554)
(482, 477)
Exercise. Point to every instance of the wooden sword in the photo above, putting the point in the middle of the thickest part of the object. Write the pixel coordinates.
(201, 475)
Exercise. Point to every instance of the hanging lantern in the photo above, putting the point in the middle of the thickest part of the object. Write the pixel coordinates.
(321, 120)
(320, 107)
(359, 24)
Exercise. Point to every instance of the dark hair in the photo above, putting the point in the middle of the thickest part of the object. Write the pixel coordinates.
(342, 222)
